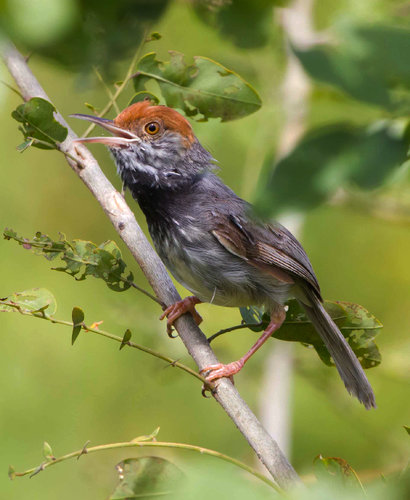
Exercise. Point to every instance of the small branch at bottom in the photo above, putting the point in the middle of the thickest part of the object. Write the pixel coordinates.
(142, 443)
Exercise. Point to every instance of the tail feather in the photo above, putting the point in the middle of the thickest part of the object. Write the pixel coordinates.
(345, 360)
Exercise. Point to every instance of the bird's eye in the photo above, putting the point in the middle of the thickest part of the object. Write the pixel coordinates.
(152, 128)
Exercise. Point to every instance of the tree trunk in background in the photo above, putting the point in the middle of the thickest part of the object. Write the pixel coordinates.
(276, 390)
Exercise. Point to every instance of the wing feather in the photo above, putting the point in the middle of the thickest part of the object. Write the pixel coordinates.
(269, 247)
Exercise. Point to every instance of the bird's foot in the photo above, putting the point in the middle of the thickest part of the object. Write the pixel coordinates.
(215, 372)
(174, 311)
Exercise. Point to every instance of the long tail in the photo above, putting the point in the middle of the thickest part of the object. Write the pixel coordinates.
(345, 360)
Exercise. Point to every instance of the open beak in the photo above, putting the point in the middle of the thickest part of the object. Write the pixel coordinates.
(121, 137)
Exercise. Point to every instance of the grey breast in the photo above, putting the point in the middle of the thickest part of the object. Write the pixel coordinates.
(198, 261)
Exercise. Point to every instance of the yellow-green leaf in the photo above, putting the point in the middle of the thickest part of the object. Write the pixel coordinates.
(81, 258)
(38, 122)
(202, 89)
(126, 338)
(78, 319)
(32, 301)
(47, 451)
(356, 323)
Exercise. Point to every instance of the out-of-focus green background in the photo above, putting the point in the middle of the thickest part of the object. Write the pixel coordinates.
(67, 395)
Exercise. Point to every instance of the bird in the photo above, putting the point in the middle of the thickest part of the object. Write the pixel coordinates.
(211, 240)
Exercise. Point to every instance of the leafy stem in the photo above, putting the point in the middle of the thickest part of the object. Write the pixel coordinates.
(42, 315)
(146, 442)
(50, 249)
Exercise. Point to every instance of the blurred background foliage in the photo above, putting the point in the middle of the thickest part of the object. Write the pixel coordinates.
(345, 177)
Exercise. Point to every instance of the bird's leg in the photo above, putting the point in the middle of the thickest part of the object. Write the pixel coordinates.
(220, 370)
(174, 311)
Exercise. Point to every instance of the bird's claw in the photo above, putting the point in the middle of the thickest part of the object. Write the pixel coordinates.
(174, 311)
(215, 372)
(205, 388)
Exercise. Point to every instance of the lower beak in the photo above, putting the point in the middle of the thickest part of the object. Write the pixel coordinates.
(120, 138)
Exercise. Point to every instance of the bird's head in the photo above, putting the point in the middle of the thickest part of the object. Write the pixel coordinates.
(152, 146)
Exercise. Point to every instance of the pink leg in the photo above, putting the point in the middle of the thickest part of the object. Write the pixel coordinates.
(220, 370)
(174, 311)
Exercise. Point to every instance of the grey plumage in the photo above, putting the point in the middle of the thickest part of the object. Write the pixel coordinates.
(209, 238)
(189, 249)
(344, 358)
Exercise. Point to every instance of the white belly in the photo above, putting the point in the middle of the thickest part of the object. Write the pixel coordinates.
(214, 275)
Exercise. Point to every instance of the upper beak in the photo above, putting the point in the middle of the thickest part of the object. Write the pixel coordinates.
(121, 137)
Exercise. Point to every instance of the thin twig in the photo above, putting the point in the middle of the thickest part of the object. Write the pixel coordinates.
(151, 444)
(107, 90)
(118, 92)
(298, 322)
(10, 87)
(232, 329)
(145, 292)
(42, 315)
(127, 227)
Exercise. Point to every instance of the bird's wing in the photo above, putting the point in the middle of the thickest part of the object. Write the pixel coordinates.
(270, 247)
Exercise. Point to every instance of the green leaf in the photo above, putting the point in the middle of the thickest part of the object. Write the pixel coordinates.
(144, 95)
(154, 36)
(126, 338)
(81, 258)
(24, 145)
(368, 62)
(85, 34)
(407, 429)
(149, 437)
(77, 316)
(298, 181)
(9, 234)
(47, 451)
(377, 155)
(33, 300)
(39, 23)
(91, 107)
(37, 118)
(326, 159)
(246, 24)
(204, 89)
(11, 472)
(147, 477)
(254, 316)
(356, 324)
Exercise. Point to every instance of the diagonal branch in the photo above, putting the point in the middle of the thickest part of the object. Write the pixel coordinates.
(123, 220)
